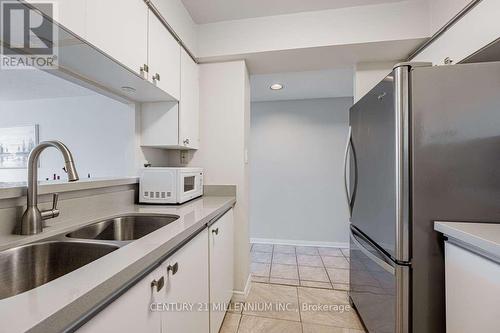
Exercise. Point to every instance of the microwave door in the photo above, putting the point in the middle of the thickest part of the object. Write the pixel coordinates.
(189, 184)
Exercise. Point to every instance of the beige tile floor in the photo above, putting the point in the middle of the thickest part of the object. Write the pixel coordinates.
(295, 290)
(307, 266)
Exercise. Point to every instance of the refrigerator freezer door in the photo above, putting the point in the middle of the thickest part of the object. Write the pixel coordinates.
(379, 288)
(379, 138)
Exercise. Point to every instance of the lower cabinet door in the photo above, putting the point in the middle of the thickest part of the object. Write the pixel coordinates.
(221, 249)
(131, 312)
(186, 288)
(472, 291)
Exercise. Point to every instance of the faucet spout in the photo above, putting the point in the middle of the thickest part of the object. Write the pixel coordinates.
(32, 220)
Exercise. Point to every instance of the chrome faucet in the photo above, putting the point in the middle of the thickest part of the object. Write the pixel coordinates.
(32, 220)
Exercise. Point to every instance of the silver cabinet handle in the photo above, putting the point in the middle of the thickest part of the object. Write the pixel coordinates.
(186, 141)
(173, 268)
(158, 284)
(215, 231)
(143, 70)
(156, 77)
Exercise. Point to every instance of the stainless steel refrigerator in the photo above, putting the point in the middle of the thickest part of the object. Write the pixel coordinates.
(424, 145)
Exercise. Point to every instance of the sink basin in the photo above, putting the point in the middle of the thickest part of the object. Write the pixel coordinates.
(26, 267)
(125, 228)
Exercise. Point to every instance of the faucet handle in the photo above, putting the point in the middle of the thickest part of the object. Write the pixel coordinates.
(55, 199)
(54, 212)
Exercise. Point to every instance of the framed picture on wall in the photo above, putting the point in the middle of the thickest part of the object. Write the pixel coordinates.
(16, 144)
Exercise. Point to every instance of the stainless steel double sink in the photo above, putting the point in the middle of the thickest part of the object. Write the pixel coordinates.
(29, 266)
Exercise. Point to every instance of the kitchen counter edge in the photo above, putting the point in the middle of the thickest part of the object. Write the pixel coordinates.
(480, 238)
(83, 309)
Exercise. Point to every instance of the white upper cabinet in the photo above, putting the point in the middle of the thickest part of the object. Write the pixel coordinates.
(120, 29)
(159, 124)
(70, 13)
(189, 104)
(174, 126)
(132, 35)
(164, 58)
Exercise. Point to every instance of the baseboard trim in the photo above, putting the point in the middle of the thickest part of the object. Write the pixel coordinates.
(241, 296)
(298, 242)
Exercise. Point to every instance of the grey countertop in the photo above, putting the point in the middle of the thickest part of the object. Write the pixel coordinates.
(65, 303)
(483, 238)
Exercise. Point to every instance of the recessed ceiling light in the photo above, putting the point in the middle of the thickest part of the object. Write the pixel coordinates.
(128, 90)
(276, 86)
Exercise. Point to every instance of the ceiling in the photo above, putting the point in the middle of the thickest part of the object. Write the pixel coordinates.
(303, 85)
(319, 58)
(223, 10)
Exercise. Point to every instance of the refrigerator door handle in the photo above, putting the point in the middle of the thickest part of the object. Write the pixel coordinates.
(346, 156)
(350, 146)
(381, 263)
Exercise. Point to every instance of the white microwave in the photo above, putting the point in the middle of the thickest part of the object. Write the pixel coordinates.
(170, 185)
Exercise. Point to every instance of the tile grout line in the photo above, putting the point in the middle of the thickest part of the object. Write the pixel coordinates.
(271, 265)
(298, 271)
(294, 321)
(326, 270)
(300, 314)
(239, 322)
(274, 318)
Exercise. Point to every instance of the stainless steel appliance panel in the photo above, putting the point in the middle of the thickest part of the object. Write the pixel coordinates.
(455, 170)
(373, 167)
(378, 287)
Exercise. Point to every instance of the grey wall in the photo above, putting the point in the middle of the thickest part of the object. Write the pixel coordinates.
(99, 131)
(296, 171)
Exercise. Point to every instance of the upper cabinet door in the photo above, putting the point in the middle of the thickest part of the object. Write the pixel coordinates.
(70, 13)
(189, 105)
(120, 29)
(163, 58)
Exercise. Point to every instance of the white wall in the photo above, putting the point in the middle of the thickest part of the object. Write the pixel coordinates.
(394, 21)
(99, 131)
(224, 126)
(474, 31)
(442, 11)
(179, 19)
(368, 75)
(297, 185)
